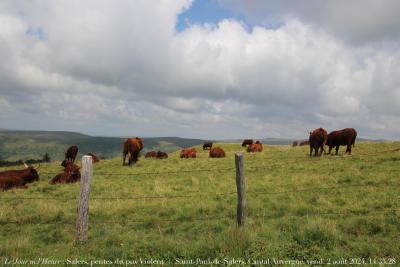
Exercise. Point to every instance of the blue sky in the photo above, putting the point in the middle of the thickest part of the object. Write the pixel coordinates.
(205, 11)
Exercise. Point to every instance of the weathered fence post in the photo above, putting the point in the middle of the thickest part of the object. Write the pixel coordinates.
(82, 224)
(240, 184)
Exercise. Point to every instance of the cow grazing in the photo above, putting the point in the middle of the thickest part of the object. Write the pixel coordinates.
(345, 137)
(207, 145)
(132, 148)
(188, 153)
(161, 155)
(257, 147)
(151, 154)
(18, 178)
(71, 153)
(294, 143)
(317, 140)
(217, 152)
(71, 174)
(304, 143)
(247, 142)
(95, 158)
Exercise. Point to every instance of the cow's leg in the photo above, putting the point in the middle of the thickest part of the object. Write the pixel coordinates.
(348, 150)
(330, 149)
(311, 149)
(123, 159)
(337, 150)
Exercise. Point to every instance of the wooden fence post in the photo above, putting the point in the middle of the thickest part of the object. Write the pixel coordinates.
(240, 184)
(82, 224)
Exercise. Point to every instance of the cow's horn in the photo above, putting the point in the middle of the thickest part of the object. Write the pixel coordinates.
(37, 167)
(26, 166)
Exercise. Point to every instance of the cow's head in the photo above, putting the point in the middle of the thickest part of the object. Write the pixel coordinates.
(31, 173)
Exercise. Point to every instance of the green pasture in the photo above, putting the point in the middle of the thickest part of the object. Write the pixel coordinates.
(298, 207)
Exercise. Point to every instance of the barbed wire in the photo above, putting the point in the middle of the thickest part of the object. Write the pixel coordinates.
(208, 195)
(352, 213)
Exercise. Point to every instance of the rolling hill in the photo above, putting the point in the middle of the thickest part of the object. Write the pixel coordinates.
(15, 145)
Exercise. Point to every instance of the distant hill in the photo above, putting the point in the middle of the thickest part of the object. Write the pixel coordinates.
(15, 145)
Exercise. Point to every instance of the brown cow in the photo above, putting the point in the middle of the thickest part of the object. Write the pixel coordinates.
(317, 140)
(346, 137)
(207, 145)
(132, 146)
(217, 152)
(18, 178)
(71, 167)
(247, 142)
(71, 174)
(161, 155)
(9, 182)
(294, 143)
(188, 153)
(95, 158)
(257, 147)
(151, 154)
(304, 143)
(71, 153)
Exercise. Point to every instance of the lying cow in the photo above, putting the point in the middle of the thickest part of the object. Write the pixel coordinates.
(71, 174)
(257, 147)
(18, 178)
(161, 155)
(188, 153)
(217, 152)
(304, 143)
(9, 182)
(151, 154)
(95, 158)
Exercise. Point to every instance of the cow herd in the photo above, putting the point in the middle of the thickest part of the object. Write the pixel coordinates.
(132, 147)
(319, 137)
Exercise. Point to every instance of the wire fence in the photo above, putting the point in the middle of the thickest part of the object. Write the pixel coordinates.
(260, 217)
(196, 196)
(213, 195)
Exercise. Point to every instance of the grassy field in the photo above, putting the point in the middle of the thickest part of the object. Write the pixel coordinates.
(299, 208)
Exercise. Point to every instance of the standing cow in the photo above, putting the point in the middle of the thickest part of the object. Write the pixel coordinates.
(207, 145)
(317, 140)
(346, 137)
(247, 142)
(132, 148)
(71, 153)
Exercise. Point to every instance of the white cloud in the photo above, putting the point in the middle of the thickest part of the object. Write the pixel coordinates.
(357, 20)
(121, 68)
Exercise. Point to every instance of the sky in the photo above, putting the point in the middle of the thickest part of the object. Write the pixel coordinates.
(212, 69)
